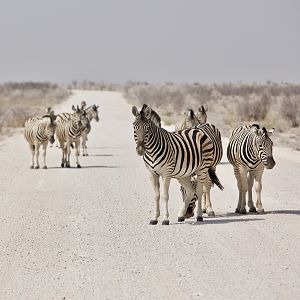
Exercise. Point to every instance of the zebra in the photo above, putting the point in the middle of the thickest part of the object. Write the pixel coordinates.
(69, 129)
(249, 151)
(38, 132)
(91, 113)
(201, 114)
(172, 155)
(192, 119)
(215, 136)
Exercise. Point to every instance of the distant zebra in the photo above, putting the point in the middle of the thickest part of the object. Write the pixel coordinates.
(172, 155)
(91, 113)
(214, 134)
(249, 151)
(69, 130)
(38, 131)
(192, 119)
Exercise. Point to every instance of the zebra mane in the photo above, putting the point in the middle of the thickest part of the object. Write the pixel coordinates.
(155, 118)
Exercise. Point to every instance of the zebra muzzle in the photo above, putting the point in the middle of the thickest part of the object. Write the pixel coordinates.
(270, 163)
(52, 140)
(140, 149)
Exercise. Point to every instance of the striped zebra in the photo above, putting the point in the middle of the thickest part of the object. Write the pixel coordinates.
(91, 113)
(214, 134)
(172, 155)
(69, 129)
(249, 151)
(38, 132)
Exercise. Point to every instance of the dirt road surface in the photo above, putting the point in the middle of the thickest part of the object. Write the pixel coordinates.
(84, 233)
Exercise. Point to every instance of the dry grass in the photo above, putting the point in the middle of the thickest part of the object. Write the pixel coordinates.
(270, 104)
(19, 101)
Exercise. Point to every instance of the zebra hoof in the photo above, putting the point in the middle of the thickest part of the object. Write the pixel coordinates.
(203, 210)
(261, 211)
(252, 210)
(237, 210)
(62, 165)
(31, 167)
(78, 166)
(211, 213)
(68, 166)
(44, 167)
(83, 154)
(37, 167)
(243, 211)
(199, 219)
(181, 219)
(153, 222)
(165, 222)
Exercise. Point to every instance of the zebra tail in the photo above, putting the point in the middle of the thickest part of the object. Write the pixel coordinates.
(214, 178)
(72, 146)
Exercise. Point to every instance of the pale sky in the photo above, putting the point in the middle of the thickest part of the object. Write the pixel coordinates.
(150, 40)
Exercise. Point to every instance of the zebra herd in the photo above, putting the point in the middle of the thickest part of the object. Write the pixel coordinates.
(69, 128)
(191, 155)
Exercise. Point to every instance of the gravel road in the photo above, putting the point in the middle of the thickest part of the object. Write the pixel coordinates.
(84, 233)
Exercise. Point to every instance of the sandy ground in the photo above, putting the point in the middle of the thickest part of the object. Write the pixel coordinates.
(84, 233)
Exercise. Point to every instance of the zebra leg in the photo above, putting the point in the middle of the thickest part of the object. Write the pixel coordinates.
(241, 178)
(155, 184)
(199, 191)
(44, 155)
(206, 195)
(68, 154)
(186, 183)
(165, 198)
(63, 150)
(37, 153)
(77, 146)
(258, 188)
(250, 186)
(32, 156)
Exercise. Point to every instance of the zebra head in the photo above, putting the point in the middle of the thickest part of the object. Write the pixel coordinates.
(201, 115)
(50, 126)
(80, 118)
(141, 127)
(92, 113)
(191, 119)
(264, 145)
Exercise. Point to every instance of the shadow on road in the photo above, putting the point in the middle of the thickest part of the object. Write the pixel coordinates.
(106, 155)
(208, 221)
(283, 212)
(86, 167)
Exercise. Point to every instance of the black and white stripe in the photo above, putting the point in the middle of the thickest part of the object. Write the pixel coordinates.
(69, 130)
(38, 132)
(172, 155)
(91, 113)
(215, 136)
(249, 151)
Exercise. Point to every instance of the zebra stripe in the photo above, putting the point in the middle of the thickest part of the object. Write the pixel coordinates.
(215, 136)
(249, 151)
(38, 131)
(172, 155)
(69, 129)
(91, 113)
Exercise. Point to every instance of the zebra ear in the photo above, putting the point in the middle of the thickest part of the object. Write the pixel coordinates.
(73, 107)
(203, 108)
(147, 112)
(190, 114)
(135, 111)
(270, 132)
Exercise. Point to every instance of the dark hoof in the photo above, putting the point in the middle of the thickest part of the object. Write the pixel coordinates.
(252, 210)
(189, 215)
(37, 167)
(86, 155)
(237, 210)
(44, 167)
(199, 219)
(83, 154)
(62, 165)
(203, 210)
(78, 166)
(165, 222)
(243, 211)
(181, 219)
(68, 166)
(211, 213)
(31, 167)
(153, 222)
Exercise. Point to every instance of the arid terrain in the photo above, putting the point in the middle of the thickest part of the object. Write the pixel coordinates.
(85, 233)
